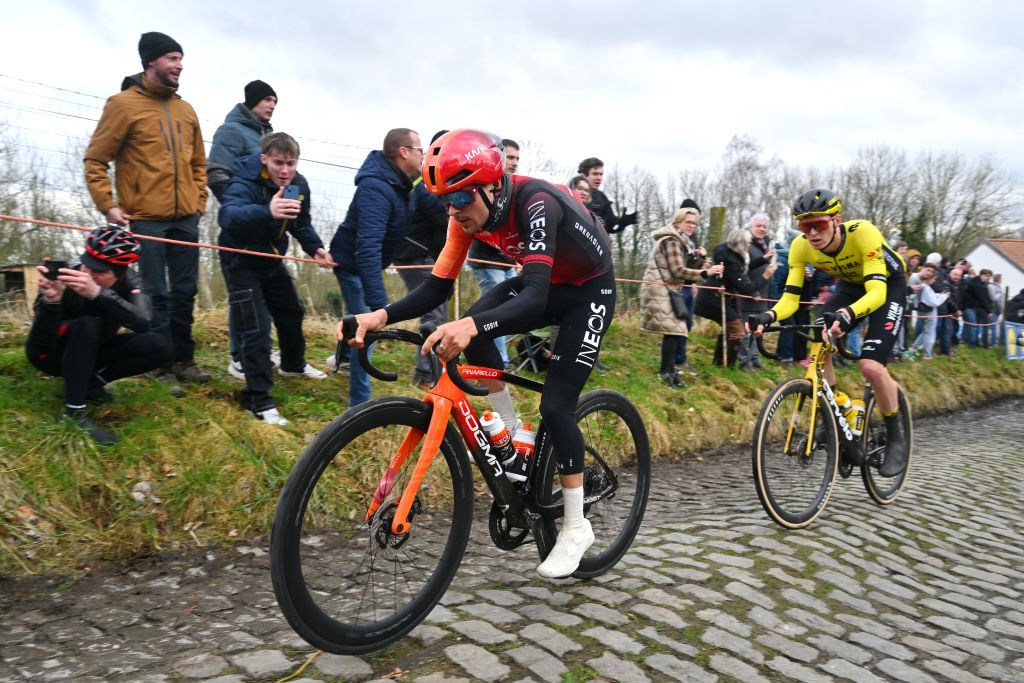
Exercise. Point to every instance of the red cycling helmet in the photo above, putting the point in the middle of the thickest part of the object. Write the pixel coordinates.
(107, 247)
(461, 158)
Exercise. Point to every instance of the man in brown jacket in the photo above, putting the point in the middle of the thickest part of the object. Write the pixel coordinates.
(154, 140)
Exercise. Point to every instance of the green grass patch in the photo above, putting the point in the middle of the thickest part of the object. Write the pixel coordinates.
(198, 470)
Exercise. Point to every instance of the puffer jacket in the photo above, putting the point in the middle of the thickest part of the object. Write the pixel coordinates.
(375, 225)
(667, 263)
(245, 219)
(239, 135)
(153, 137)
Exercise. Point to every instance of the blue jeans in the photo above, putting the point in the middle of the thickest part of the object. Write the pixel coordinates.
(972, 333)
(853, 340)
(171, 272)
(488, 278)
(355, 302)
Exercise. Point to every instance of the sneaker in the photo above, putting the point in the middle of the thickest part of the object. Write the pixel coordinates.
(344, 367)
(188, 371)
(275, 358)
(235, 370)
(895, 448)
(308, 371)
(270, 416)
(670, 379)
(785, 361)
(687, 368)
(565, 557)
(81, 417)
(170, 380)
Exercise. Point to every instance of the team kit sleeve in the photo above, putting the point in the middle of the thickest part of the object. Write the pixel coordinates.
(436, 288)
(872, 246)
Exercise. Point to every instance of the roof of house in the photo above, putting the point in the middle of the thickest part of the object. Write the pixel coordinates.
(1012, 249)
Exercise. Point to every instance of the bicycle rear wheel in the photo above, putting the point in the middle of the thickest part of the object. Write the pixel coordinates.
(794, 486)
(616, 478)
(884, 490)
(347, 586)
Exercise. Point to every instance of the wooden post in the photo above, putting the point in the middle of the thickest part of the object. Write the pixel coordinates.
(716, 230)
(725, 332)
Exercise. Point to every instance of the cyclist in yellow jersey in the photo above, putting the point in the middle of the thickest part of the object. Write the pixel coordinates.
(872, 284)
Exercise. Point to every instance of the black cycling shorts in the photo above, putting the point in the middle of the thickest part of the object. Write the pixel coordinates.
(883, 324)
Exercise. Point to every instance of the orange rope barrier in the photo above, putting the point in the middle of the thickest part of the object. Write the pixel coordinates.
(247, 252)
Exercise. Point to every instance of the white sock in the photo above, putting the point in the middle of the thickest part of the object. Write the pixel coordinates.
(572, 507)
(501, 403)
(574, 537)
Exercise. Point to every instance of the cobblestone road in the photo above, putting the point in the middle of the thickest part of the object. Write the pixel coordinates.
(929, 589)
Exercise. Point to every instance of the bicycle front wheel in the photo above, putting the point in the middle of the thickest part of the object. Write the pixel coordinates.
(792, 483)
(884, 490)
(349, 586)
(616, 478)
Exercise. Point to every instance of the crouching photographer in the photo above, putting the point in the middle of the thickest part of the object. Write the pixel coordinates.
(79, 312)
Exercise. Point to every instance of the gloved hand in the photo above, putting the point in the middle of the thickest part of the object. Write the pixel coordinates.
(627, 219)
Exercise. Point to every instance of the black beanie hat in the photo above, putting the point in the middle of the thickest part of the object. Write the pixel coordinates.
(689, 204)
(154, 45)
(255, 91)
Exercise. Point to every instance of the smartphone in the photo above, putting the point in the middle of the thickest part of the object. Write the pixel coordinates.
(291, 192)
(53, 268)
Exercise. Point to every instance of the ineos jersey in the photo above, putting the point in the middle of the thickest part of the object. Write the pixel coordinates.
(556, 239)
(545, 225)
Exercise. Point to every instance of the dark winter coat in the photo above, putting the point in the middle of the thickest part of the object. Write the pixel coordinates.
(245, 220)
(976, 295)
(428, 226)
(238, 136)
(735, 279)
(375, 225)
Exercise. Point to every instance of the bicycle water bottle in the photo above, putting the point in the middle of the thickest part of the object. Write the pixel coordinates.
(504, 449)
(525, 440)
(855, 416)
(843, 401)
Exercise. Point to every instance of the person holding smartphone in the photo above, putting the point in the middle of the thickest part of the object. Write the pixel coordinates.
(79, 314)
(268, 199)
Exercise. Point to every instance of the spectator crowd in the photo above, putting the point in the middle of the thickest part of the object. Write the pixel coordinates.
(100, 320)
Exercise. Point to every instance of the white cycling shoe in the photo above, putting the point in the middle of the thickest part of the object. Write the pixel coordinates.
(565, 557)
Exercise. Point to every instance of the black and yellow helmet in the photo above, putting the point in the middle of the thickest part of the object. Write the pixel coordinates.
(818, 202)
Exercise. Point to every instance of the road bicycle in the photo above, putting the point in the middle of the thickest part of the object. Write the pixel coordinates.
(371, 525)
(800, 445)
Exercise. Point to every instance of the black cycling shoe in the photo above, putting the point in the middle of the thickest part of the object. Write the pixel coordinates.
(895, 448)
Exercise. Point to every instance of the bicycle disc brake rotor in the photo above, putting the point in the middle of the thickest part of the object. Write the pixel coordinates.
(503, 534)
(381, 525)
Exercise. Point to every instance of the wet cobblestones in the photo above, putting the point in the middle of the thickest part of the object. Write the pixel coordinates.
(928, 589)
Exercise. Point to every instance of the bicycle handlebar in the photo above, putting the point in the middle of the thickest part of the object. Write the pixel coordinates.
(828, 319)
(348, 331)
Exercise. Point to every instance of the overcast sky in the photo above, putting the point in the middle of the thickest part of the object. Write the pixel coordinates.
(661, 85)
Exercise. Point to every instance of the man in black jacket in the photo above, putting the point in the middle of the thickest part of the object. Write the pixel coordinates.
(977, 307)
(79, 312)
(592, 169)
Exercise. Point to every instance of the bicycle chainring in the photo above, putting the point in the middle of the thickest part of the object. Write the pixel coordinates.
(503, 534)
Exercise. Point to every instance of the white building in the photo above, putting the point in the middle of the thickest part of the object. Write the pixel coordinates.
(1005, 256)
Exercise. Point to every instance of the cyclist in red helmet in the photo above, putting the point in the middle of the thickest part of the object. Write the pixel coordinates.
(567, 279)
(79, 312)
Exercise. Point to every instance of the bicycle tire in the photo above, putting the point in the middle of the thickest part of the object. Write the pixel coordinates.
(330, 568)
(614, 434)
(884, 490)
(793, 488)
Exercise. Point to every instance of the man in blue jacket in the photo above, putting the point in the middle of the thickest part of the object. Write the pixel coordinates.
(239, 135)
(255, 215)
(372, 232)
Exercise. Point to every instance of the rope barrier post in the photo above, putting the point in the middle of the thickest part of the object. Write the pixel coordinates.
(716, 231)
(725, 330)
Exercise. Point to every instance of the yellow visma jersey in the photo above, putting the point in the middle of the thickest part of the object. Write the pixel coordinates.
(864, 258)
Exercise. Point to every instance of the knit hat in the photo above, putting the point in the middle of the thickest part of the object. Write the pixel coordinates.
(689, 204)
(154, 45)
(911, 253)
(935, 258)
(255, 91)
